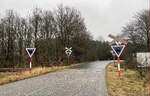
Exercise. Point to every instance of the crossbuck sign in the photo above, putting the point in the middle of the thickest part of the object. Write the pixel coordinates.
(68, 51)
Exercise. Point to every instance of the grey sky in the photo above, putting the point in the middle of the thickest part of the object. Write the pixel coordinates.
(102, 17)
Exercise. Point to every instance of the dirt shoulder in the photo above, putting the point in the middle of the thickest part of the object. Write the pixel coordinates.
(129, 83)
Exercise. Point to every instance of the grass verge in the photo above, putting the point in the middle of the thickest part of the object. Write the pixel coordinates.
(7, 77)
(129, 83)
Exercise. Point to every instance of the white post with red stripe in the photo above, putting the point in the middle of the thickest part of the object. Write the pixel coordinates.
(30, 52)
(118, 67)
(30, 65)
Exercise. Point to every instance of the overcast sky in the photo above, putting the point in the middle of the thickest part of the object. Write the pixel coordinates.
(102, 17)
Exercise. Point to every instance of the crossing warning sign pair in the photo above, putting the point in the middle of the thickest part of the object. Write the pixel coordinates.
(117, 44)
(118, 48)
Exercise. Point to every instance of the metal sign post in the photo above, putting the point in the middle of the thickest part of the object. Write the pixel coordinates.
(118, 50)
(30, 52)
(113, 54)
(68, 60)
(118, 67)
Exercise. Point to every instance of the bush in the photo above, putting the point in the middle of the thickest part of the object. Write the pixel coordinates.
(130, 62)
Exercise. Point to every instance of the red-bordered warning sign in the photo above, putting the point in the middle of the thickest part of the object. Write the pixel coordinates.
(30, 51)
(118, 49)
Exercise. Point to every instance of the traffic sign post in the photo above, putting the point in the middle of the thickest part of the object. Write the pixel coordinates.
(118, 50)
(118, 67)
(30, 52)
(113, 54)
(118, 47)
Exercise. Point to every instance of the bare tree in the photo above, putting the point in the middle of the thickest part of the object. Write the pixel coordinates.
(9, 28)
(36, 22)
(49, 32)
(48, 35)
(138, 31)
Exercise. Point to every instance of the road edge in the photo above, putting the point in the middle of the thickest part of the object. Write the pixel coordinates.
(106, 80)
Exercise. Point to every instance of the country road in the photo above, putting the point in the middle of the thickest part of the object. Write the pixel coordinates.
(83, 80)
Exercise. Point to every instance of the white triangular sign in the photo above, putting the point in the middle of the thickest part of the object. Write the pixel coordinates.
(30, 51)
(118, 49)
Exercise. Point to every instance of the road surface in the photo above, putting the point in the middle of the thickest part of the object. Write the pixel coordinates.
(84, 80)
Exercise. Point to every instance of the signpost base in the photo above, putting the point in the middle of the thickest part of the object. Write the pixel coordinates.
(30, 70)
(118, 73)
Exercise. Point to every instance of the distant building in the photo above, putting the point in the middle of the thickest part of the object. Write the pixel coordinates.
(143, 59)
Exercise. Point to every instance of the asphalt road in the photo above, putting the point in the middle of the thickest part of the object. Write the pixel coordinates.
(84, 80)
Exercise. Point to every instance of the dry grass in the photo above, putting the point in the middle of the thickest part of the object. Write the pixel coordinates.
(127, 85)
(11, 77)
